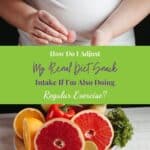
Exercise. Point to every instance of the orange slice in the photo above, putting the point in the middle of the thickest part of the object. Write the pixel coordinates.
(90, 146)
(30, 128)
(25, 113)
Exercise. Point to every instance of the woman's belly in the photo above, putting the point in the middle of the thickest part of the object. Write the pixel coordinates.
(82, 16)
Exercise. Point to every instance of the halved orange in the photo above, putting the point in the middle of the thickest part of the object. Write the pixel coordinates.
(30, 128)
(25, 113)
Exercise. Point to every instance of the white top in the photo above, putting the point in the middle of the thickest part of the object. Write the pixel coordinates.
(82, 16)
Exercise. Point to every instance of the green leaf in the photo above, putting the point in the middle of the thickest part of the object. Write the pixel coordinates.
(123, 129)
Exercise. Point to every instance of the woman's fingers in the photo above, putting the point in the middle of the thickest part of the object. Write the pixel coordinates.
(52, 22)
(47, 28)
(71, 36)
(50, 31)
(38, 40)
(47, 37)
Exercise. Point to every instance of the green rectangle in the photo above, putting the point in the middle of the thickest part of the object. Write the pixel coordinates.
(113, 75)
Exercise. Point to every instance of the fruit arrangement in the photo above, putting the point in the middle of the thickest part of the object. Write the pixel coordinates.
(72, 127)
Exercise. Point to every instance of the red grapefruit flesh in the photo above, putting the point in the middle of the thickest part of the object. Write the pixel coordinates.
(59, 134)
(95, 127)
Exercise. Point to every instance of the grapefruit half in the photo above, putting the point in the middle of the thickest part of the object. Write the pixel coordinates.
(59, 134)
(95, 127)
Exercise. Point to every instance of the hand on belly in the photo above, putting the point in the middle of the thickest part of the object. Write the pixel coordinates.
(44, 28)
(81, 16)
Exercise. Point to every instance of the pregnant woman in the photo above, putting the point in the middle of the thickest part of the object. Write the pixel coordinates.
(78, 22)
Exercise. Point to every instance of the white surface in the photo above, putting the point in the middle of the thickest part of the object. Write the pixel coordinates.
(82, 16)
(141, 122)
(140, 118)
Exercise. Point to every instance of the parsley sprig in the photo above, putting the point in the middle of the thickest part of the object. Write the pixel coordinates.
(123, 129)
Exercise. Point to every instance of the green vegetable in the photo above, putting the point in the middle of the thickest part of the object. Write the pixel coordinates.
(123, 129)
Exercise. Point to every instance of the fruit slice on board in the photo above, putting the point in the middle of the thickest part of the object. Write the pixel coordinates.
(95, 127)
(25, 113)
(30, 128)
(59, 134)
(89, 145)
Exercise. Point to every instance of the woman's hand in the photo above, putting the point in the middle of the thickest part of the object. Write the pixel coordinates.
(124, 18)
(44, 28)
